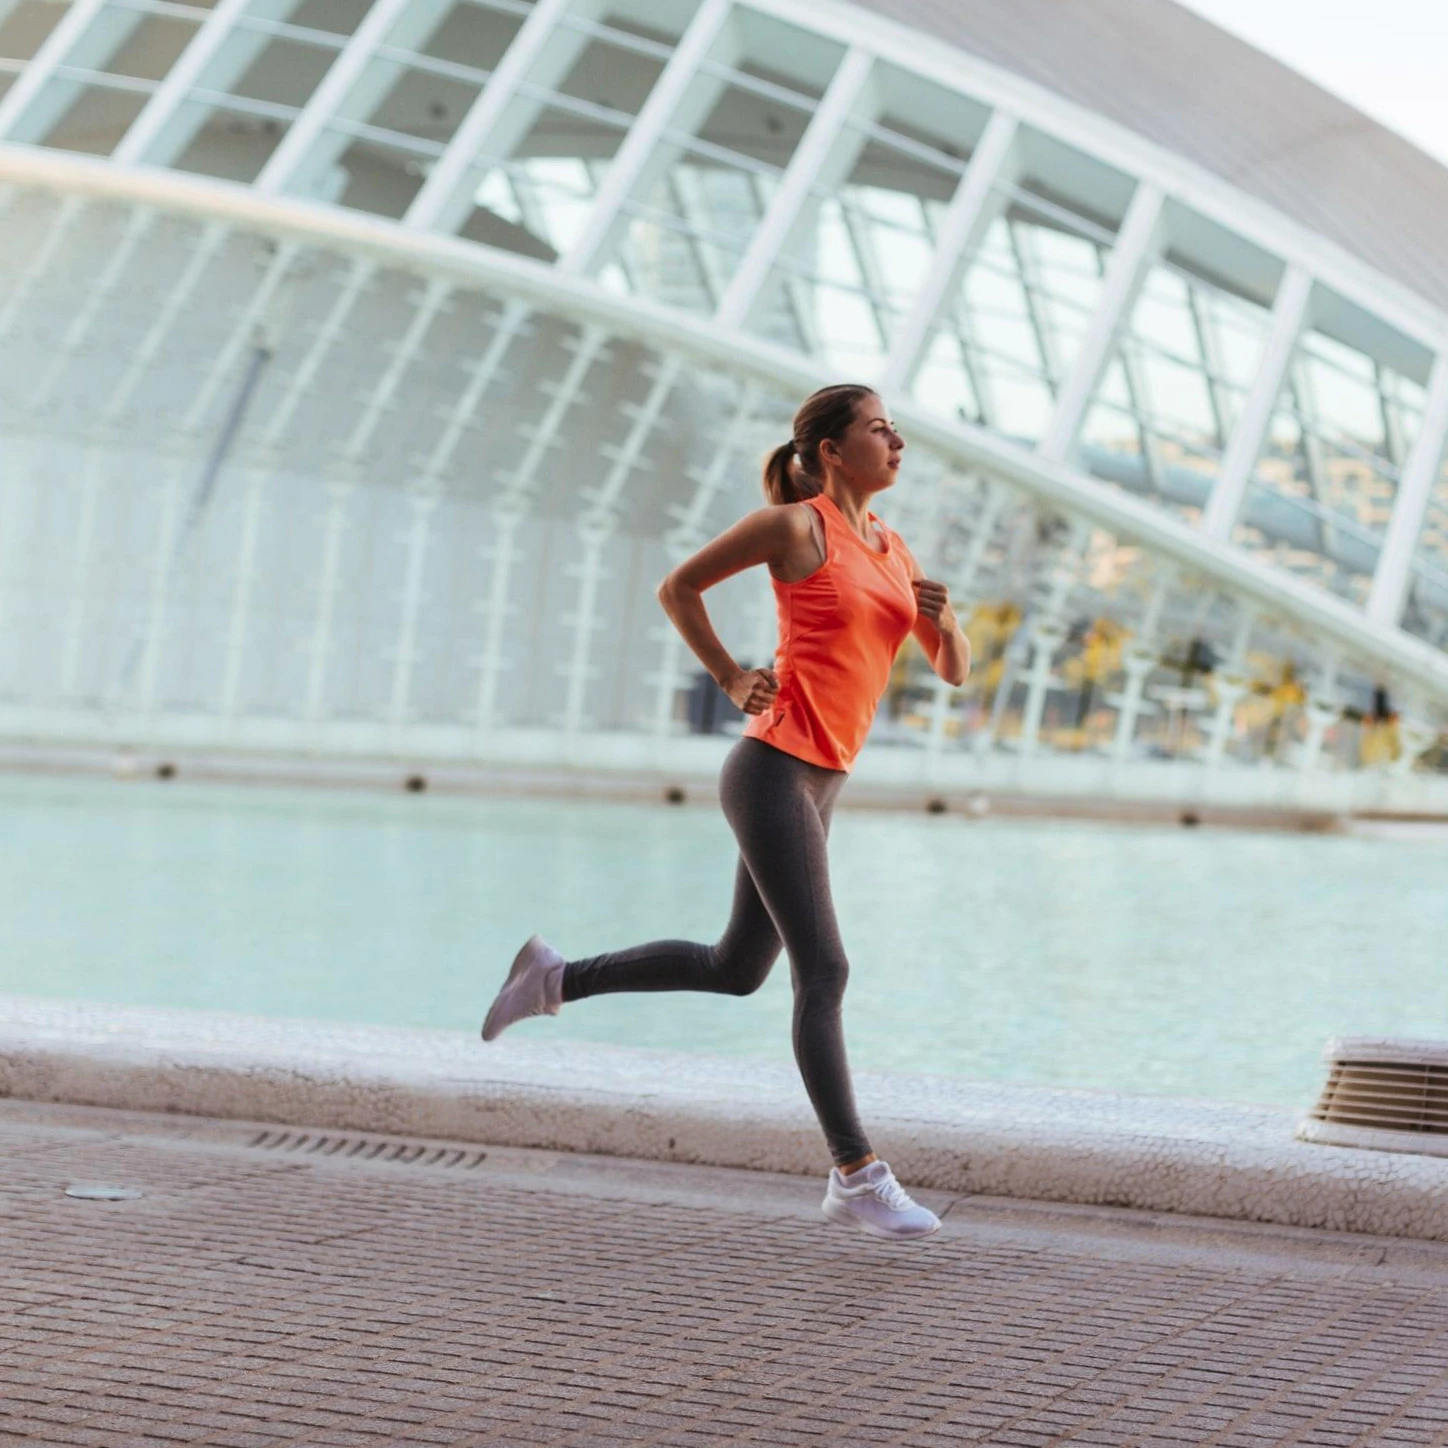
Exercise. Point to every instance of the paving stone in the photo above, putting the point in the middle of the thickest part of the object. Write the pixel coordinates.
(245, 1302)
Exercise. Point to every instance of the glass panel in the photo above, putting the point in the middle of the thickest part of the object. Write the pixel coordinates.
(858, 256)
(1426, 611)
(339, 17)
(1013, 330)
(150, 48)
(532, 190)
(536, 203)
(376, 177)
(684, 242)
(472, 35)
(1168, 403)
(231, 144)
(24, 29)
(96, 119)
(1323, 489)
(419, 104)
(280, 70)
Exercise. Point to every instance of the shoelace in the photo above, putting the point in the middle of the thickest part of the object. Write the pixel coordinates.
(893, 1194)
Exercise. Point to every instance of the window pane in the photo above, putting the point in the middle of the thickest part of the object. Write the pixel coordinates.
(24, 29)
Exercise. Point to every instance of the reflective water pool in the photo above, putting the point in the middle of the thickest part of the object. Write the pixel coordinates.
(1204, 963)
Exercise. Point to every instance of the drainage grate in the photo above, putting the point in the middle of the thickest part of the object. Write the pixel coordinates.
(369, 1148)
(1383, 1094)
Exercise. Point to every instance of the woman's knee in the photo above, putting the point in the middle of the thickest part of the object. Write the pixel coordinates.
(820, 986)
(742, 972)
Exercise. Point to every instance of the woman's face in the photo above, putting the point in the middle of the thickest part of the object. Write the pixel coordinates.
(868, 455)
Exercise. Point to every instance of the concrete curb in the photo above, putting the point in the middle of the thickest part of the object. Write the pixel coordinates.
(1087, 1147)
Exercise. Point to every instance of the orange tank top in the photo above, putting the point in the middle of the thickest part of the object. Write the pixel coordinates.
(839, 632)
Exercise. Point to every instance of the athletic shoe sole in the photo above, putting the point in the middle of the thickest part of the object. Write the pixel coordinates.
(839, 1212)
(518, 968)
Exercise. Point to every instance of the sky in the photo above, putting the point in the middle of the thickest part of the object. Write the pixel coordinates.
(1389, 58)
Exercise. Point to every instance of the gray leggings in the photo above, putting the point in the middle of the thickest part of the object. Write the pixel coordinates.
(779, 808)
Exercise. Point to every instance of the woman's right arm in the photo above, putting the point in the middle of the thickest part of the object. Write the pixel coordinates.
(768, 535)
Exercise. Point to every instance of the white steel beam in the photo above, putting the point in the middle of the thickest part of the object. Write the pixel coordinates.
(355, 235)
(344, 481)
(1415, 489)
(688, 534)
(15, 123)
(596, 525)
(822, 157)
(67, 213)
(269, 442)
(299, 142)
(426, 490)
(243, 334)
(978, 200)
(1290, 315)
(511, 507)
(156, 137)
(1138, 244)
(679, 78)
(97, 295)
(102, 440)
(445, 197)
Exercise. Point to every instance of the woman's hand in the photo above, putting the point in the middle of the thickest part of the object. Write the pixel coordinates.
(932, 599)
(752, 690)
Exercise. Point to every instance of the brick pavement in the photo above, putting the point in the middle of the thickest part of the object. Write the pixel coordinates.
(260, 1296)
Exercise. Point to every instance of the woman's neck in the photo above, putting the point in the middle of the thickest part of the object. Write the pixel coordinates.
(853, 506)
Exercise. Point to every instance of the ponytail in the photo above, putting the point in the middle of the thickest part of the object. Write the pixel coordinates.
(783, 481)
(792, 470)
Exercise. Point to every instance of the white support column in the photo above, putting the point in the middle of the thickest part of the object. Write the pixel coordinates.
(1138, 244)
(980, 541)
(268, 448)
(1048, 635)
(154, 137)
(102, 440)
(444, 200)
(52, 52)
(328, 98)
(1290, 315)
(243, 334)
(1046, 638)
(687, 535)
(344, 481)
(1415, 489)
(1229, 687)
(426, 491)
(822, 150)
(597, 525)
(678, 79)
(177, 299)
(67, 213)
(511, 508)
(96, 295)
(1139, 658)
(979, 199)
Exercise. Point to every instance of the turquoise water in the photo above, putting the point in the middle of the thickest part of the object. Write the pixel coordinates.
(1161, 961)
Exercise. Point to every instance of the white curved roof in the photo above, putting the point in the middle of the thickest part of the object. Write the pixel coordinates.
(1178, 80)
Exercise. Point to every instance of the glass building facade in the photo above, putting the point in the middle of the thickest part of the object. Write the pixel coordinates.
(365, 363)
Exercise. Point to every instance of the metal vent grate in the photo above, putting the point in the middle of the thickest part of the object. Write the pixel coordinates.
(1384, 1095)
(369, 1148)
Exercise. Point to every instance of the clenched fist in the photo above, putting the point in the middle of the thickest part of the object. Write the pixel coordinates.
(752, 690)
(932, 599)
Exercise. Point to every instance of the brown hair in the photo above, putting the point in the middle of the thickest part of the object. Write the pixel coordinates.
(792, 470)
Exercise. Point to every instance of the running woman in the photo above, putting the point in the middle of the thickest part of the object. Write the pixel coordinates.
(848, 592)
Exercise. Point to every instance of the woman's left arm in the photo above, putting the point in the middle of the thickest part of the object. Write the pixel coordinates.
(937, 629)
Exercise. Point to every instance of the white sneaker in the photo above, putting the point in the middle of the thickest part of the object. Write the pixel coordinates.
(534, 987)
(872, 1200)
